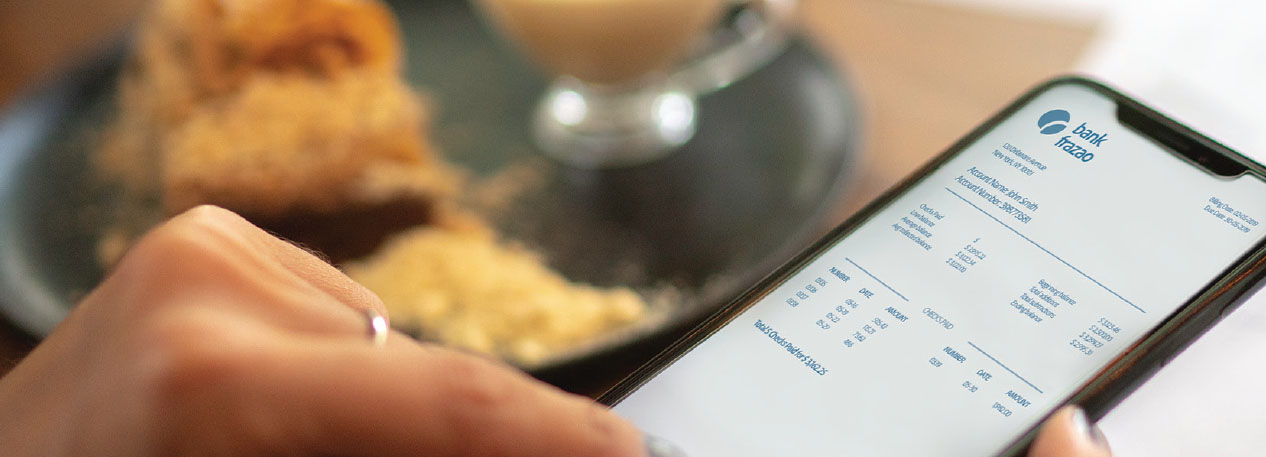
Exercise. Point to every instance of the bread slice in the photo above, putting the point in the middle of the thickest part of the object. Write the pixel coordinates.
(289, 112)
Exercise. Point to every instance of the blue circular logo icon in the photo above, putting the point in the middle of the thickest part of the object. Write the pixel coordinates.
(1054, 121)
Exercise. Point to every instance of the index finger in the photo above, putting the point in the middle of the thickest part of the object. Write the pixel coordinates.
(408, 399)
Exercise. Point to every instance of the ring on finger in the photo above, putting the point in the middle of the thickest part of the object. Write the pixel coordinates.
(378, 329)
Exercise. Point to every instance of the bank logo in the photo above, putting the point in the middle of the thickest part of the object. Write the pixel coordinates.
(1053, 121)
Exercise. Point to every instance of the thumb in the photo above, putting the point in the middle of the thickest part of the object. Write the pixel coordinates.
(1068, 433)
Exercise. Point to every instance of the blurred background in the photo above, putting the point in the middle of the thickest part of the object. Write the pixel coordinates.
(924, 73)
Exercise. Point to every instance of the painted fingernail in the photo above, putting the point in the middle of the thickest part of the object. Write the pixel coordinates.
(658, 447)
(1089, 430)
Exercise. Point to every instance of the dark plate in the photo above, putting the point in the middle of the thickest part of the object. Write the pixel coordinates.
(768, 165)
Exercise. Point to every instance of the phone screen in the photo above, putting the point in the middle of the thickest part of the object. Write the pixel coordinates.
(965, 311)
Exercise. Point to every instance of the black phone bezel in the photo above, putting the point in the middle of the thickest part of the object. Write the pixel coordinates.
(1119, 377)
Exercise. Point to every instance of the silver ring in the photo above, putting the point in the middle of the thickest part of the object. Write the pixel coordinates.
(378, 329)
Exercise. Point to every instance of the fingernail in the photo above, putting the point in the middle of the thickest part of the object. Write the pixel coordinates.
(1088, 430)
(658, 447)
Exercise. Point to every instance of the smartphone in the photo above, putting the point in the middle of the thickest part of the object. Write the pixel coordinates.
(1060, 253)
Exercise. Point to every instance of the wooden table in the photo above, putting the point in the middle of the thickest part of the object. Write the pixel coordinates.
(926, 73)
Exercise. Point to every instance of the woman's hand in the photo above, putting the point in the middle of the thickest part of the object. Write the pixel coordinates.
(1069, 434)
(212, 337)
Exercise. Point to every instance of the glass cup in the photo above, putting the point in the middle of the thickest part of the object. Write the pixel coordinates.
(629, 71)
